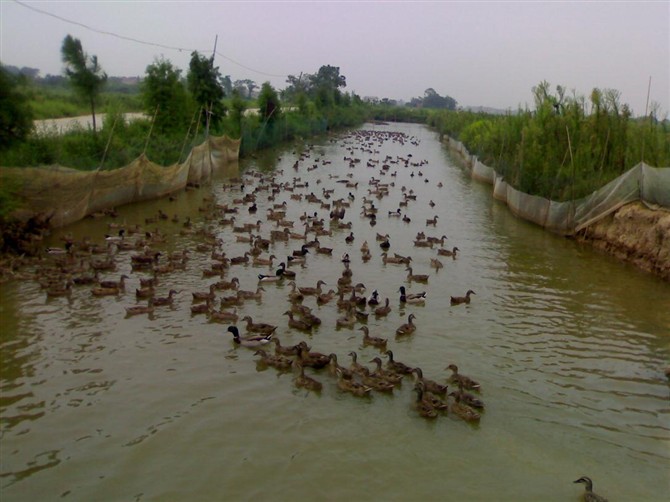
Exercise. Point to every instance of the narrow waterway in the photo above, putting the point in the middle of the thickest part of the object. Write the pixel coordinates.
(569, 346)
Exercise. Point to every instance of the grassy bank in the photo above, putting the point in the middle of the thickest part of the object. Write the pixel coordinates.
(118, 142)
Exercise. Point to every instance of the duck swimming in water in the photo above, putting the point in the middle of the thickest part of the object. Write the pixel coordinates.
(589, 495)
(458, 300)
(461, 380)
(412, 298)
(407, 328)
(250, 341)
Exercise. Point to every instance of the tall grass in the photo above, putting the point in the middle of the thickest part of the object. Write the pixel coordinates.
(58, 102)
(559, 150)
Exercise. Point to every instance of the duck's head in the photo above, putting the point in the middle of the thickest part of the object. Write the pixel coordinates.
(402, 289)
(586, 481)
(453, 368)
(234, 331)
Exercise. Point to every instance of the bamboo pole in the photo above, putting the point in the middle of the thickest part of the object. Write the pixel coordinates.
(572, 184)
(188, 132)
(109, 142)
(197, 124)
(153, 120)
(646, 110)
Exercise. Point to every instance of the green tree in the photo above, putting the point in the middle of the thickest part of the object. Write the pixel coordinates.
(227, 84)
(269, 107)
(16, 116)
(204, 83)
(325, 86)
(251, 87)
(237, 107)
(84, 72)
(431, 99)
(297, 88)
(297, 91)
(163, 89)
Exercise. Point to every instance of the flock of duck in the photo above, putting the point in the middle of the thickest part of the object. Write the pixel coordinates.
(84, 262)
(354, 306)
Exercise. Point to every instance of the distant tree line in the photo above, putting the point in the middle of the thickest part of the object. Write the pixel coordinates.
(432, 100)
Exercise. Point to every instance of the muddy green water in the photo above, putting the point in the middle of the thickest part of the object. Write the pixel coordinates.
(569, 347)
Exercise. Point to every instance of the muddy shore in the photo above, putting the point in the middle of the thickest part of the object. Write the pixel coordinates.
(634, 234)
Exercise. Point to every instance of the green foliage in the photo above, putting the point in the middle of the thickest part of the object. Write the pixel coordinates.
(432, 100)
(164, 95)
(48, 105)
(236, 114)
(48, 102)
(246, 87)
(15, 112)
(269, 107)
(558, 150)
(390, 113)
(204, 83)
(323, 88)
(227, 85)
(119, 143)
(294, 124)
(9, 190)
(84, 72)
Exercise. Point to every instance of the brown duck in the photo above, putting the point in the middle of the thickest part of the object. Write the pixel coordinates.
(458, 300)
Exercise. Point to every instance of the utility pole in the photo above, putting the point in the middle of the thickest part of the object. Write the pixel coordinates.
(211, 64)
(216, 39)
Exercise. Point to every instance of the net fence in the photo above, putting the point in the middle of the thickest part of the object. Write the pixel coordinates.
(67, 195)
(650, 185)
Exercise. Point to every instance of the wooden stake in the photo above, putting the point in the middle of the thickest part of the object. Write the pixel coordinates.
(153, 120)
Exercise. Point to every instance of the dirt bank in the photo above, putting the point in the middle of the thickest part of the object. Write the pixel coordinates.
(634, 234)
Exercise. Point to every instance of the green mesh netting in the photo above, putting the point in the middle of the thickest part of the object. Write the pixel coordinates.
(70, 195)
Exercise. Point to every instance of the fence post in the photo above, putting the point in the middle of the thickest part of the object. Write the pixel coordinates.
(153, 120)
(109, 141)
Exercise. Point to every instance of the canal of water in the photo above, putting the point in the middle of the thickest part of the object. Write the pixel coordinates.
(569, 346)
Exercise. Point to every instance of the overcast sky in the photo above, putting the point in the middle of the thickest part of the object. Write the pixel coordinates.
(479, 53)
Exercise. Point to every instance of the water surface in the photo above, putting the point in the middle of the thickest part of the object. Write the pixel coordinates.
(569, 346)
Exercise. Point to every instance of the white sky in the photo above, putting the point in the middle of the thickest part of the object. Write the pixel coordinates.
(479, 53)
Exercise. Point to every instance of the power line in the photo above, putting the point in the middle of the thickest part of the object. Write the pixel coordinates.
(250, 69)
(138, 41)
